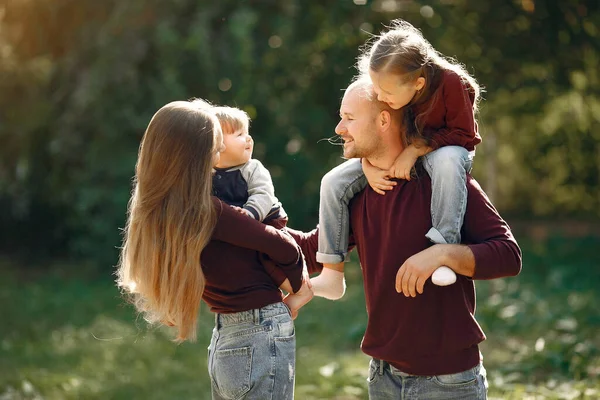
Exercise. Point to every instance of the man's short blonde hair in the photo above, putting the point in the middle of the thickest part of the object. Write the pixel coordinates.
(232, 119)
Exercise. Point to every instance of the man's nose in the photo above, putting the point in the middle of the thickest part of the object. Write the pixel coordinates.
(339, 129)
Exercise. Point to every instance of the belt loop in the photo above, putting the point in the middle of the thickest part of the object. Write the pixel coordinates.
(256, 316)
(217, 321)
(381, 365)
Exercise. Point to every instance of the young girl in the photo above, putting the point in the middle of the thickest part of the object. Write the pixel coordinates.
(181, 245)
(439, 101)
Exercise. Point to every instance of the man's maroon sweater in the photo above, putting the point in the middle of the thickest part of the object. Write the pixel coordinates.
(435, 332)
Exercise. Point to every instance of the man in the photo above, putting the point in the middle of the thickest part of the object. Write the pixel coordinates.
(423, 338)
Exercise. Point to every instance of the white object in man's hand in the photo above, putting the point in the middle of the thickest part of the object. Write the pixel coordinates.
(443, 276)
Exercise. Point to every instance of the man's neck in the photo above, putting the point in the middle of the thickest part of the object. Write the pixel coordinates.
(384, 161)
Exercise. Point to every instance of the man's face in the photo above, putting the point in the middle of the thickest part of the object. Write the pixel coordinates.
(357, 126)
(238, 149)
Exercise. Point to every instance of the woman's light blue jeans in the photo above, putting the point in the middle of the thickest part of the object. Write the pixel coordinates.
(386, 383)
(252, 354)
(447, 167)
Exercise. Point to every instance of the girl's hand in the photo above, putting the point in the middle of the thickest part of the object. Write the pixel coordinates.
(404, 164)
(378, 179)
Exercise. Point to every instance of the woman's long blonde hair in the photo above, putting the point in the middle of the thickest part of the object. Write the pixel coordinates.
(171, 216)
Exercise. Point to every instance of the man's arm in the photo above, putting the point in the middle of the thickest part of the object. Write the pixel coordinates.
(492, 251)
(415, 271)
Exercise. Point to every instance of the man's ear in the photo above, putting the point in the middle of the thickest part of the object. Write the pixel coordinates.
(385, 119)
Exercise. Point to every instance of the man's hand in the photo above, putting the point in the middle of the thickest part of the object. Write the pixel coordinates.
(404, 163)
(415, 271)
(378, 179)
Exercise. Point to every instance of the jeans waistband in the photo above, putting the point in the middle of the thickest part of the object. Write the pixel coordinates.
(383, 365)
(255, 316)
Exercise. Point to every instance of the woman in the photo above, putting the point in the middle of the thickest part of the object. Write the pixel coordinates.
(182, 245)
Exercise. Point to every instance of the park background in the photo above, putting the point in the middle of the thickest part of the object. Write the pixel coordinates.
(80, 79)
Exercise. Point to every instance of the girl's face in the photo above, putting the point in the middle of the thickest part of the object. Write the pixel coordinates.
(393, 90)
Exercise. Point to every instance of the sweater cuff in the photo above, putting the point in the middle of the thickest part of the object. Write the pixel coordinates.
(253, 211)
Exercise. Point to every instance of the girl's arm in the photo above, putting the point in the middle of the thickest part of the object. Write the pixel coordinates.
(239, 230)
(461, 128)
(406, 160)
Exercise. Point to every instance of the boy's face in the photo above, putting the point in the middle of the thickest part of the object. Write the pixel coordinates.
(238, 149)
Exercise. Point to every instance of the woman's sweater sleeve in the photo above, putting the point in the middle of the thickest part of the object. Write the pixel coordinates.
(496, 251)
(240, 230)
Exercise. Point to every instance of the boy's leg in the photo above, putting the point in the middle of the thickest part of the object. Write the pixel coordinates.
(447, 167)
(338, 187)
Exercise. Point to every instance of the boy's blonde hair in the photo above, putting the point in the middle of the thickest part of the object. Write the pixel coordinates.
(232, 119)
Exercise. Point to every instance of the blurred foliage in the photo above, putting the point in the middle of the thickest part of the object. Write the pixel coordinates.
(80, 80)
(542, 336)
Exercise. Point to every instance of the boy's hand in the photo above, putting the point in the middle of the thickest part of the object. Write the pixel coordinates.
(404, 164)
(378, 179)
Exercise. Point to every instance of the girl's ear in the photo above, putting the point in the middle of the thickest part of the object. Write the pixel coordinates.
(420, 84)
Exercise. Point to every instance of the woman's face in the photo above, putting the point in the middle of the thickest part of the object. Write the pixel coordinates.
(391, 89)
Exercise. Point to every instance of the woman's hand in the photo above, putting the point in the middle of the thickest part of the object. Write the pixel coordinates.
(378, 179)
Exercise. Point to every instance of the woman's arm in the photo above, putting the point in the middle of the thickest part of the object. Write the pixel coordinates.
(239, 230)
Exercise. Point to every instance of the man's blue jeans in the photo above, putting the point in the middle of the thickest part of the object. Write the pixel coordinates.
(252, 355)
(386, 383)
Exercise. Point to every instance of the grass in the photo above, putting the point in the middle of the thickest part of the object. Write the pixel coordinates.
(68, 335)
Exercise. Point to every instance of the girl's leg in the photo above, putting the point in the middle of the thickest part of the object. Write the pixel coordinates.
(338, 187)
(447, 167)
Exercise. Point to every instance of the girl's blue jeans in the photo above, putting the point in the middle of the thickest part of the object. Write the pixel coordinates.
(447, 167)
(386, 383)
(252, 354)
